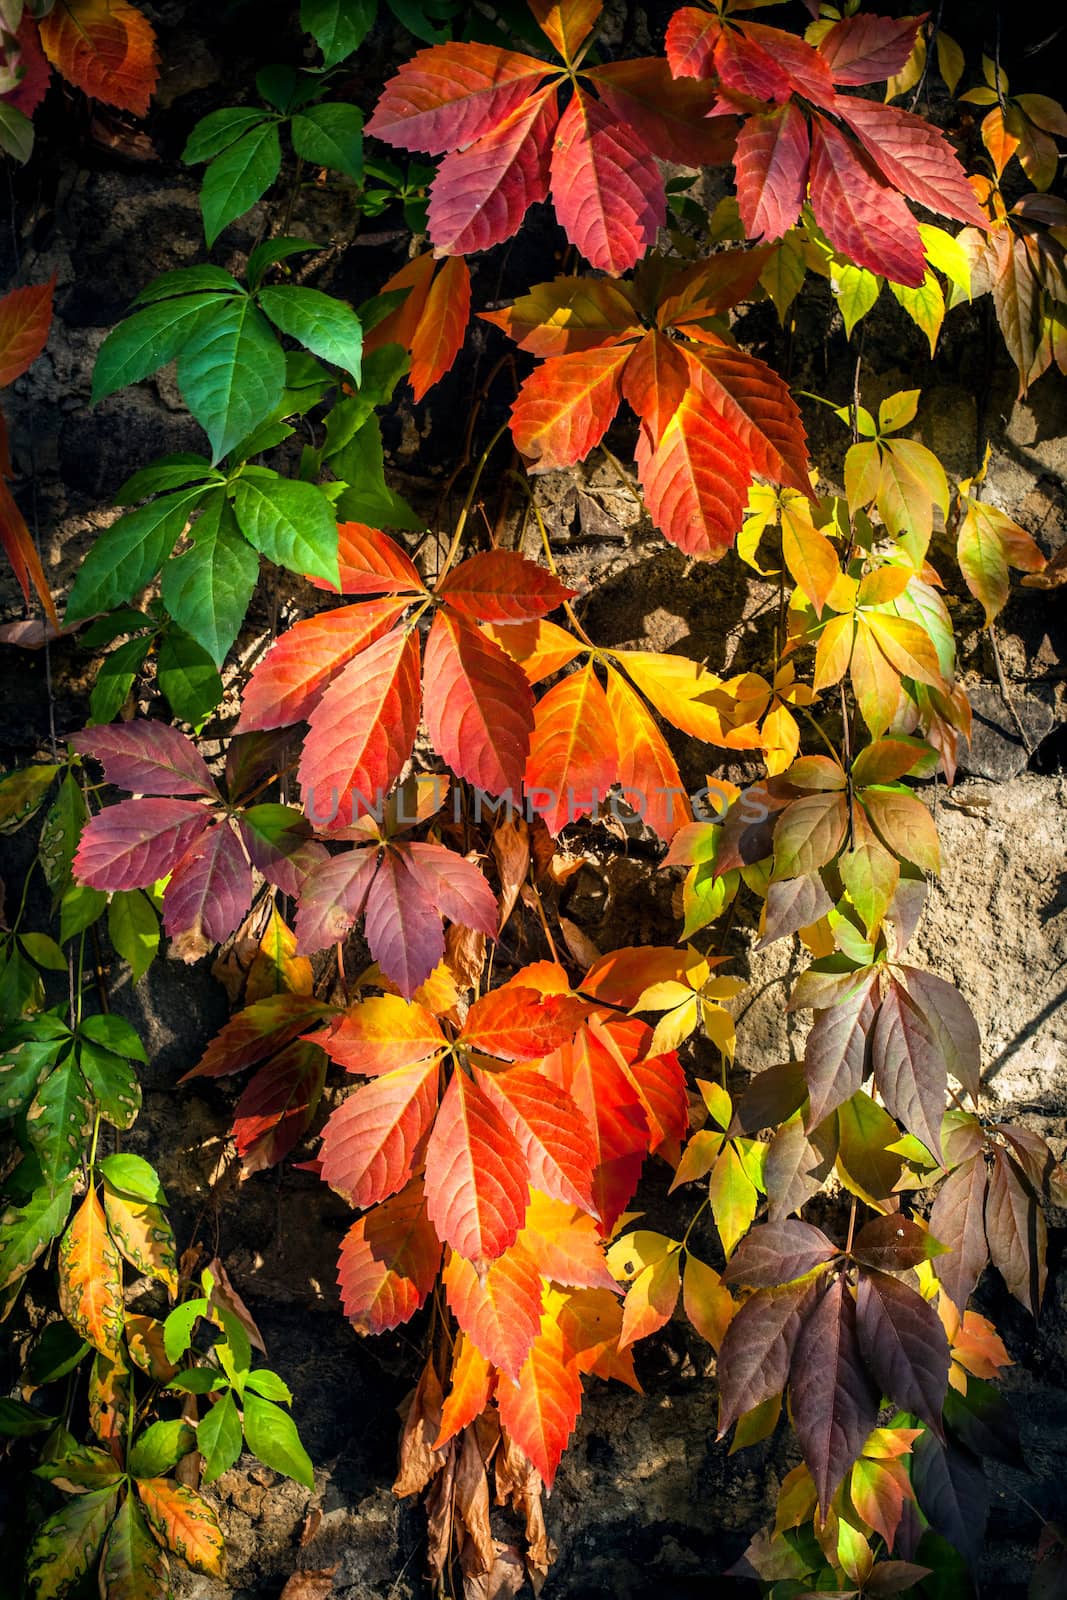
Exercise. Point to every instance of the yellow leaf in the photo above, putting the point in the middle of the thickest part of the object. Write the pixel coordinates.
(708, 1305)
(185, 1523)
(143, 1234)
(90, 1279)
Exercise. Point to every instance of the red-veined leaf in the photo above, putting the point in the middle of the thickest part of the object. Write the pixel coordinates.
(442, 327)
(147, 758)
(756, 1349)
(25, 318)
(565, 1242)
(499, 1311)
(482, 193)
(210, 888)
(610, 1105)
(606, 187)
(809, 73)
(833, 1400)
(913, 155)
(332, 898)
(448, 96)
(476, 1180)
(371, 563)
(402, 926)
(696, 479)
(863, 218)
(647, 773)
(519, 1024)
(130, 845)
(362, 732)
(866, 49)
(691, 40)
(658, 1081)
(288, 683)
(256, 1032)
(381, 1033)
(903, 1345)
(745, 69)
(553, 1134)
(472, 1380)
(106, 48)
(539, 1412)
(90, 1279)
(566, 406)
(572, 764)
(654, 382)
(479, 705)
(771, 170)
(502, 586)
(276, 1108)
(371, 1143)
(668, 113)
(957, 1219)
(388, 1263)
(455, 885)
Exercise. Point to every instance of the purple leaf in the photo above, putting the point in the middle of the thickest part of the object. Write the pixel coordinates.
(130, 845)
(958, 1220)
(909, 1067)
(951, 1022)
(793, 903)
(211, 888)
(953, 1493)
(147, 758)
(403, 926)
(777, 1252)
(835, 1054)
(834, 1402)
(454, 885)
(757, 1348)
(894, 1243)
(904, 1345)
(1017, 1234)
(332, 899)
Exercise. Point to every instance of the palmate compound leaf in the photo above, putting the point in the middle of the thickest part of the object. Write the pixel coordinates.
(833, 1398)
(389, 1262)
(106, 48)
(477, 1186)
(500, 1310)
(903, 1345)
(539, 1412)
(371, 1143)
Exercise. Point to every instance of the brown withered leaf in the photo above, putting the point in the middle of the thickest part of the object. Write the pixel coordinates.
(511, 852)
(440, 1504)
(471, 1507)
(310, 1525)
(419, 1462)
(581, 947)
(519, 1484)
(503, 1581)
(465, 955)
(224, 1294)
(234, 961)
(309, 1585)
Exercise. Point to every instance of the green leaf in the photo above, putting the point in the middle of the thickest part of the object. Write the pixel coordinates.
(67, 1544)
(112, 1032)
(329, 328)
(62, 828)
(133, 928)
(178, 1328)
(199, 1380)
(219, 1438)
(207, 589)
(19, 1421)
(231, 372)
(270, 252)
(239, 177)
(24, 1062)
(188, 677)
(128, 555)
(331, 136)
(292, 524)
(16, 133)
(132, 1564)
(218, 131)
(160, 1447)
(269, 1385)
(170, 472)
(367, 497)
(146, 341)
(188, 280)
(57, 1352)
(44, 951)
(271, 1435)
(133, 1177)
(22, 794)
(856, 290)
(105, 630)
(338, 26)
(117, 675)
(113, 1083)
(60, 1121)
(25, 1230)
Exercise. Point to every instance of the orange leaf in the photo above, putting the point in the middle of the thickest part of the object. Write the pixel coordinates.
(288, 683)
(541, 648)
(371, 563)
(371, 1142)
(382, 1033)
(388, 1262)
(696, 479)
(501, 1310)
(539, 1412)
(18, 545)
(591, 1322)
(184, 1522)
(90, 1279)
(651, 1299)
(476, 1180)
(572, 763)
(442, 325)
(568, 314)
(756, 405)
(105, 48)
(565, 407)
(567, 23)
(648, 776)
(25, 318)
(400, 326)
(565, 1242)
(519, 1024)
(654, 382)
(479, 705)
(472, 1380)
(551, 1131)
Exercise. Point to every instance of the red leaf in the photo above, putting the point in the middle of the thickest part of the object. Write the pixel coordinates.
(17, 544)
(696, 480)
(863, 218)
(647, 773)
(362, 732)
(835, 1054)
(502, 586)
(809, 73)
(771, 170)
(866, 49)
(744, 68)
(442, 326)
(448, 96)
(539, 1412)
(210, 888)
(669, 114)
(590, 1072)
(756, 405)
(147, 757)
(500, 1312)
(554, 1136)
(130, 845)
(606, 187)
(566, 406)
(455, 885)
(256, 1032)
(372, 1141)
(657, 1081)
(571, 765)
(909, 1069)
(332, 898)
(482, 193)
(957, 1219)
(25, 318)
(381, 1033)
(402, 926)
(913, 155)
(388, 1263)
(520, 1024)
(903, 1344)
(106, 48)
(833, 1400)
(476, 1182)
(691, 39)
(36, 73)
(479, 705)
(777, 1252)
(371, 563)
(757, 1348)
(654, 382)
(278, 1104)
(288, 683)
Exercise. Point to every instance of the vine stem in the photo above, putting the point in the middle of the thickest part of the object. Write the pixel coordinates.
(550, 560)
(465, 511)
